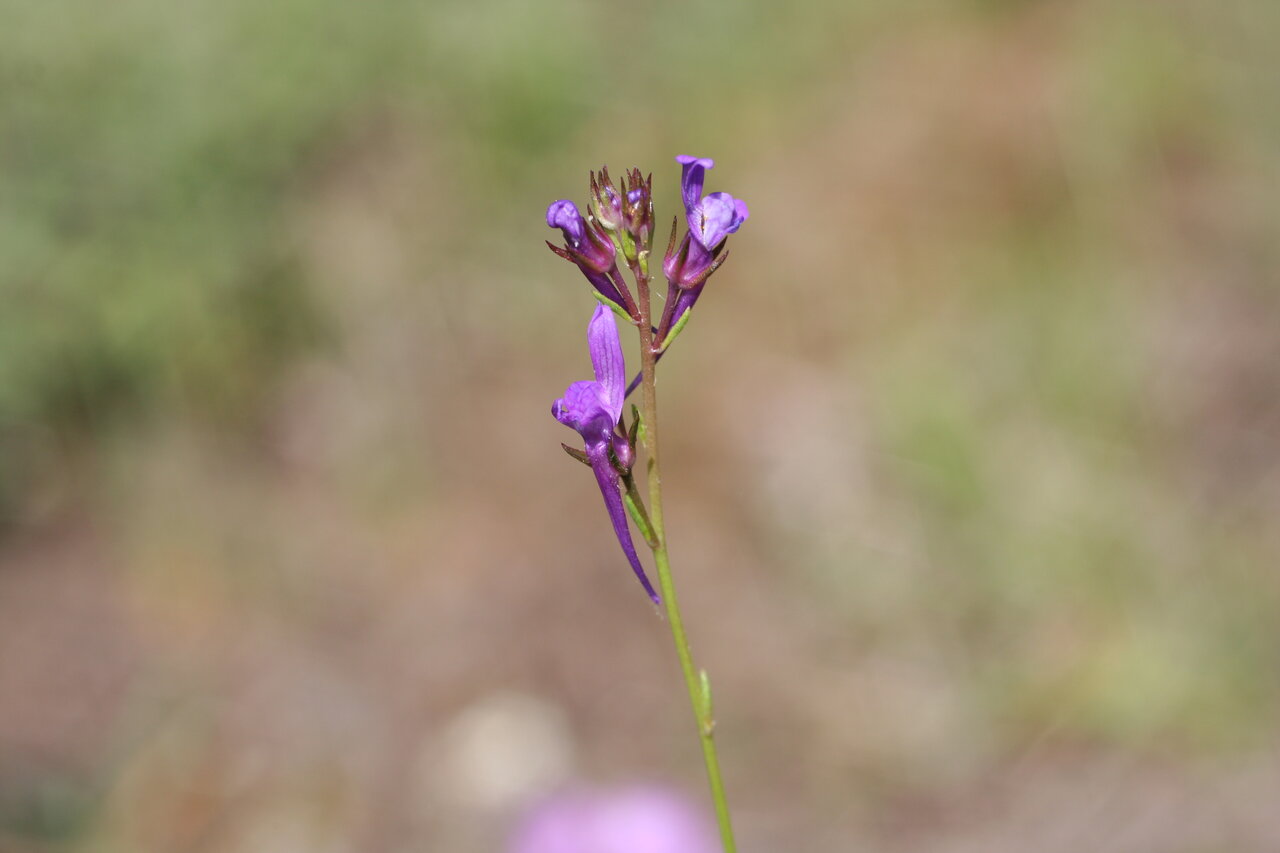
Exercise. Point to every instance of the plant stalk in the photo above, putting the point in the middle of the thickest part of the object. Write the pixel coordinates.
(695, 682)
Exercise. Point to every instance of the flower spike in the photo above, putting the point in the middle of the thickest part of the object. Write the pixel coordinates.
(616, 233)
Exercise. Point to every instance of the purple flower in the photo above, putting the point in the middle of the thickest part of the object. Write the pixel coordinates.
(563, 214)
(715, 217)
(593, 409)
(588, 246)
(689, 263)
(711, 219)
(636, 820)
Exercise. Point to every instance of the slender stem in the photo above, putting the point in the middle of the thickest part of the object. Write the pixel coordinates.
(698, 694)
(639, 377)
(635, 506)
(621, 283)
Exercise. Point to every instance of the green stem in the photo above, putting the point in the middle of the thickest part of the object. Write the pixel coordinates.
(635, 508)
(699, 692)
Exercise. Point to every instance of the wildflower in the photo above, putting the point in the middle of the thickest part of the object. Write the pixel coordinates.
(710, 219)
(635, 820)
(688, 265)
(593, 408)
(587, 244)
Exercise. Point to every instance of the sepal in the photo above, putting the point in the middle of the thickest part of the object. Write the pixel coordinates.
(635, 508)
(576, 454)
(637, 434)
(623, 453)
(613, 306)
(675, 330)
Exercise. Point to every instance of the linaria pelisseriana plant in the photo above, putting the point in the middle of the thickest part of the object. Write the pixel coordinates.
(617, 231)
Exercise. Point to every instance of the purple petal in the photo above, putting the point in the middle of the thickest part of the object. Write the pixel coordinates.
(607, 359)
(716, 217)
(583, 408)
(610, 488)
(692, 177)
(563, 214)
(697, 261)
(607, 288)
(686, 301)
(634, 820)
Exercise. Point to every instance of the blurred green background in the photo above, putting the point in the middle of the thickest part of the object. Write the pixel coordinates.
(973, 447)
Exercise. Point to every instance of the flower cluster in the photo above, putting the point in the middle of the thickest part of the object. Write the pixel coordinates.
(618, 228)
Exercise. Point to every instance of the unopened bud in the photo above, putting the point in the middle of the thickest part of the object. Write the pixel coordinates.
(606, 202)
(637, 209)
(623, 452)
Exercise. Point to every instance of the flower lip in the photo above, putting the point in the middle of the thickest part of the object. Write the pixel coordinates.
(593, 407)
(583, 409)
(692, 176)
(563, 214)
(607, 360)
(688, 160)
(716, 217)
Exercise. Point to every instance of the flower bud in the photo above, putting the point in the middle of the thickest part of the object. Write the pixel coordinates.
(585, 244)
(623, 452)
(606, 202)
(637, 209)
